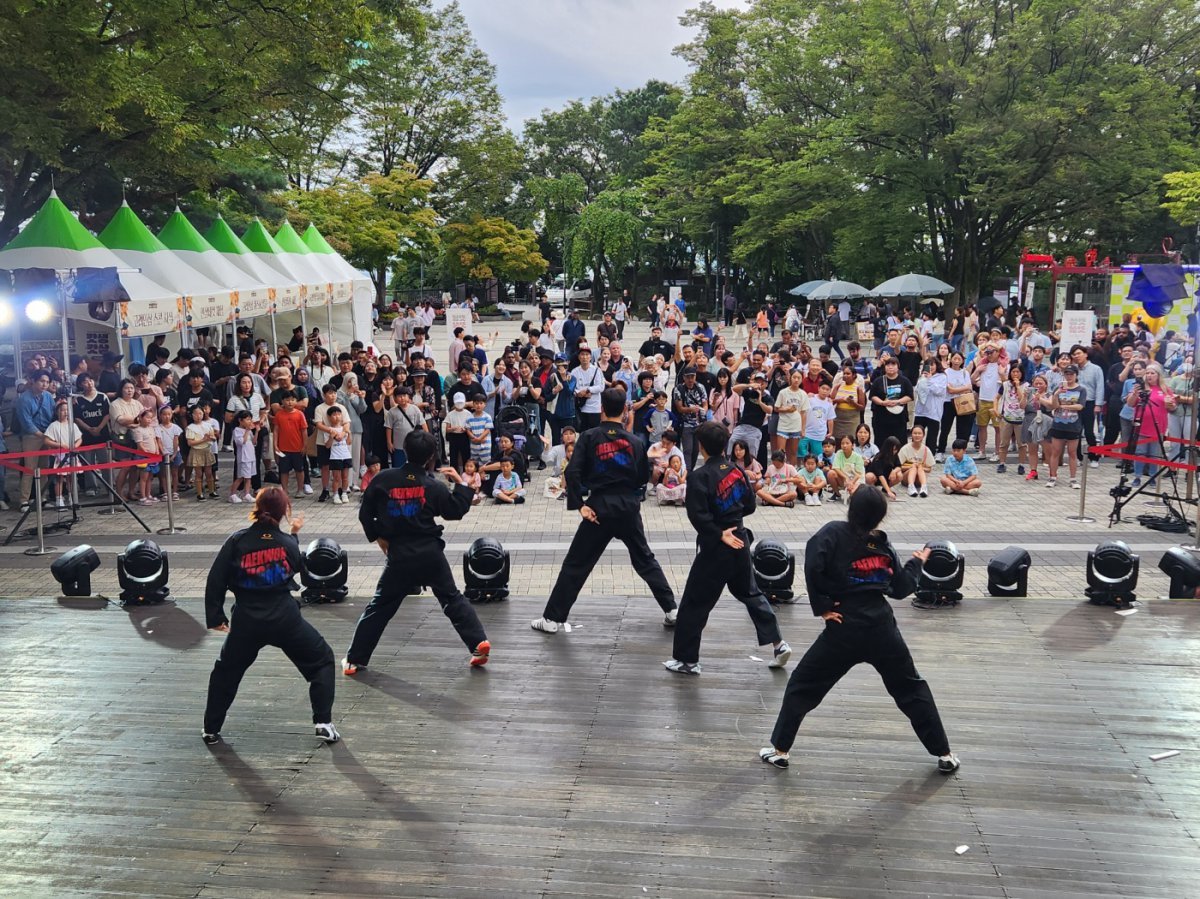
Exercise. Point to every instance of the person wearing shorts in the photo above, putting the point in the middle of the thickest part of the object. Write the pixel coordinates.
(290, 427)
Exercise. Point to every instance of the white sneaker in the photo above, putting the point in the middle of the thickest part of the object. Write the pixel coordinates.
(670, 618)
(924, 491)
(1050, 482)
(235, 499)
(59, 503)
(337, 499)
(327, 733)
(947, 490)
(816, 498)
(308, 489)
(993, 458)
(912, 489)
(939, 458)
(1075, 484)
(974, 491)
(783, 652)
(1094, 464)
(545, 625)
(247, 497)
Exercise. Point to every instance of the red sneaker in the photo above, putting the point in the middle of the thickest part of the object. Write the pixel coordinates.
(479, 657)
(1032, 476)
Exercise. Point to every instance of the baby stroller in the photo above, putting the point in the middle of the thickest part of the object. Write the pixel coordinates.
(517, 423)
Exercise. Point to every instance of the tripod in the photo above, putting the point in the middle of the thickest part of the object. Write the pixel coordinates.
(1123, 494)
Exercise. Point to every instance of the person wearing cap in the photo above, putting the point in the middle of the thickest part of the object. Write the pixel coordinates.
(573, 332)
(756, 411)
(589, 384)
(988, 372)
(612, 466)
(655, 346)
(109, 382)
(690, 402)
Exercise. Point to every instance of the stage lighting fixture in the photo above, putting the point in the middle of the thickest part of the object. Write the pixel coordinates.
(325, 571)
(941, 577)
(73, 570)
(1112, 574)
(1008, 572)
(485, 570)
(775, 570)
(39, 311)
(142, 572)
(1183, 569)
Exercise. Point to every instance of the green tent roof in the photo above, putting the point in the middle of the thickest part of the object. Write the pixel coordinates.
(222, 239)
(180, 234)
(315, 241)
(259, 240)
(290, 241)
(54, 226)
(127, 232)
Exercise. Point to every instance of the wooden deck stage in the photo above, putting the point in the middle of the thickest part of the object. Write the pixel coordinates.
(575, 765)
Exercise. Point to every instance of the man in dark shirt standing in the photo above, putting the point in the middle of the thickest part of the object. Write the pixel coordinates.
(655, 346)
(613, 466)
(399, 511)
(719, 496)
(110, 375)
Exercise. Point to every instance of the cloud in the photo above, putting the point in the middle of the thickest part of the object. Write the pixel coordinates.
(549, 52)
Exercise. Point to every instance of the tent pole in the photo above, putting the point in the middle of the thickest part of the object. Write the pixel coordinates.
(329, 326)
(69, 458)
(274, 337)
(303, 329)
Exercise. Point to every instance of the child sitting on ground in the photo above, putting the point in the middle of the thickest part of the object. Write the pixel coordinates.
(779, 482)
(673, 488)
(810, 481)
(473, 479)
(828, 451)
(373, 468)
(961, 475)
(508, 487)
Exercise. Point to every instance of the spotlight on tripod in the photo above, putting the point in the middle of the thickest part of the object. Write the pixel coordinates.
(485, 571)
(1112, 574)
(325, 571)
(775, 570)
(941, 577)
(1008, 572)
(73, 570)
(142, 572)
(1183, 569)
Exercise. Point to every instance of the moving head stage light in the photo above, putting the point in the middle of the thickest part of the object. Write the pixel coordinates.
(73, 570)
(142, 572)
(1183, 569)
(324, 573)
(1112, 574)
(485, 571)
(1008, 572)
(774, 569)
(941, 577)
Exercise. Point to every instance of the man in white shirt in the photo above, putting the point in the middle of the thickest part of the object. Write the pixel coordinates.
(589, 384)
(620, 311)
(988, 377)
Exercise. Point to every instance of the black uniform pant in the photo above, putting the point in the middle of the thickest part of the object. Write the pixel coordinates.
(299, 641)
(402, 576)
(588, 545)
(838, 649)
(714, 568)
(1087, 417)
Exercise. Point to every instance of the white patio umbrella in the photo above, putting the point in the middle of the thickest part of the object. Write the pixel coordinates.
(913, 285)
(838, 290)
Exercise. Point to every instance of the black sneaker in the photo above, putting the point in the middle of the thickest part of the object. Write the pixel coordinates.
(324, 497)
(213, 495)
(783, 652)
(948, 764)
(210, 739)
(200, 498)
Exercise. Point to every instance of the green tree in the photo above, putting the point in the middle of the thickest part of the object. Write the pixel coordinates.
(486, 248)
(158, 91)
(610, 233)
(1183, 196)
(371, 219)
(987, 118)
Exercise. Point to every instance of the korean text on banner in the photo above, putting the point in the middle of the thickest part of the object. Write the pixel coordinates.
(1078, 325)
(457, 317)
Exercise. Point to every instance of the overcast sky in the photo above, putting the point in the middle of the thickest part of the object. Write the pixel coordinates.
(547, 52)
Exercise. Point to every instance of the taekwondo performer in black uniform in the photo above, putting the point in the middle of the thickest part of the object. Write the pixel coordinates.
(258, 563)
(611, 465)
(719, 495)
(399, 511)
(850, 567)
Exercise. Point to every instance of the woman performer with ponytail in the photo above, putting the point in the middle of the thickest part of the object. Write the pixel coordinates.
(258, 563)
(850, 567)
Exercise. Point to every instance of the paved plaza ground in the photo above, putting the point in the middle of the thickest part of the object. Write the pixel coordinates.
(574, 764)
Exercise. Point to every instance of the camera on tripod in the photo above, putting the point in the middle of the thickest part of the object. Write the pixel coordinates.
(1120, 489)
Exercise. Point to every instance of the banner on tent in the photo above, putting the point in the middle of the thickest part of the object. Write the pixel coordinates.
(255, 303)
(150, 317)
(315, 299)
(289, 300)
(204, 311)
